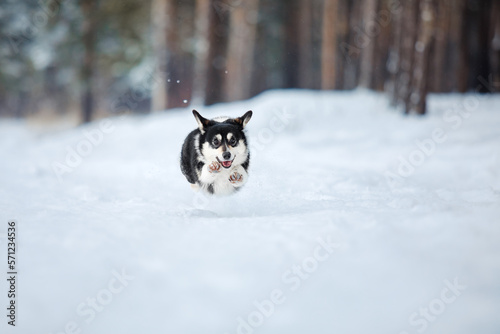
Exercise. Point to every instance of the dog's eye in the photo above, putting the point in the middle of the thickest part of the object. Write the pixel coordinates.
(216, 142)
(232, 141)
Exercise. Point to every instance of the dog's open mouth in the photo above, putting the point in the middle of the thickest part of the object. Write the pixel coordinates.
(226, 164)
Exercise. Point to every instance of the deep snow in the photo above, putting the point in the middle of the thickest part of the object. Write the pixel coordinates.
(326, 228)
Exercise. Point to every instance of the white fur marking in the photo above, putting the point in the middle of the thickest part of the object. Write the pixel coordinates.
(197, 147)
(222, 185)
(221, 119)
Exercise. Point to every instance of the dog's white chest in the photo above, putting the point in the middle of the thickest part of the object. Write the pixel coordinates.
(222, 185)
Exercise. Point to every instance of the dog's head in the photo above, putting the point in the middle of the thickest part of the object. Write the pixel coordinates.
(223, 139)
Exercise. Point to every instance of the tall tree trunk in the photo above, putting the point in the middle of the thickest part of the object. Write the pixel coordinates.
(409, 32)
(481, 63)
(342, 26)
(395, 55)
(475, 37)
(89, 11)
(161, 14)
(329, 45)
(384, 20)
(262, 69)
(291, 56)
(369, 9)
(439, 74)
(240, 53)
(305, 50)
(495, 46)
(202, 24)
(173, 23)
(356, 41)
(418, 95)
(217, 51)
(177, 69)
(456, 65)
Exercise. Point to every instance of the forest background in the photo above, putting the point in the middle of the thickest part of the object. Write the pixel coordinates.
(88, 59)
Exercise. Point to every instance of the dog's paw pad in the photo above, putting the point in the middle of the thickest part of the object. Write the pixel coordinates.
(235, 178)
(214, 167)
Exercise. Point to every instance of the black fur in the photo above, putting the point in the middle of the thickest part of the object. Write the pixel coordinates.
(189, 161)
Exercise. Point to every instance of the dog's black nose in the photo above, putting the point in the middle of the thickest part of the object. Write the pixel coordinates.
(226, 155)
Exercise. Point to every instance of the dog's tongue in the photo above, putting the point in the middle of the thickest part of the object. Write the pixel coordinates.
(226, 163)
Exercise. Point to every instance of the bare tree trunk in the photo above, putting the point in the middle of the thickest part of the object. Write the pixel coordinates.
(329, 45)
(475, 43)
(455, 61)
(482, 61)
(495, 46)
(355, 42)
(262, 70)
(174, 63)
(161, 13)
(89, 11)
(202, 24)
(240, 53)
(305, 72)
(342, 27)
(217, 51)
(463, 67)
(369, 9)
(291, 55)
(409, 32)
(384, 21)
(176, 69)
(395, 55)
(439, 74)
(418, 95)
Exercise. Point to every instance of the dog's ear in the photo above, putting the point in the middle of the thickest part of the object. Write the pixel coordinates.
(203, 123)
(243, 120)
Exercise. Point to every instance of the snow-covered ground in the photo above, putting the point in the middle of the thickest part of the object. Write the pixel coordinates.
(355, 219)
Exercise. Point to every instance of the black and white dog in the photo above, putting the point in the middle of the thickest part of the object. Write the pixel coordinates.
(215, 156)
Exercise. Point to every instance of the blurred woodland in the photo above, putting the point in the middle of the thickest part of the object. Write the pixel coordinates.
(97, 58)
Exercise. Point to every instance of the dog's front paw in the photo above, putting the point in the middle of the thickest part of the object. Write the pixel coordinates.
(236, 178)
(214, 167)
